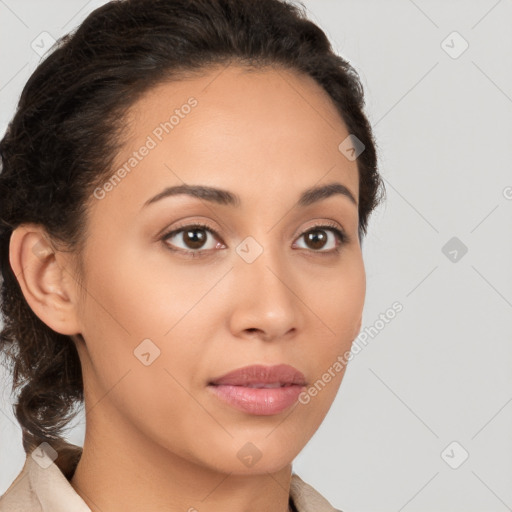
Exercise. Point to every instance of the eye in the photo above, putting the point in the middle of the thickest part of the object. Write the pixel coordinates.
(194, 237)
(195, 240)
(317, 238)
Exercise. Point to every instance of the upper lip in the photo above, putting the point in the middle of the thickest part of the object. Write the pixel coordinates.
(283, 374)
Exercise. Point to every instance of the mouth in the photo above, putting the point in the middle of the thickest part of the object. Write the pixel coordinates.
(260, 390)
(260, 385)
(258, 376)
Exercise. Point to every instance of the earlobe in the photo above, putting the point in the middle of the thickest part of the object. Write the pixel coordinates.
(44, 280)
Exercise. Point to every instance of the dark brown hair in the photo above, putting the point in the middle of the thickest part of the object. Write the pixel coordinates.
(62, 141)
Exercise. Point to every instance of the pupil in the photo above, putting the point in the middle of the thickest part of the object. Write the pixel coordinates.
(192, 238)
(317, 236)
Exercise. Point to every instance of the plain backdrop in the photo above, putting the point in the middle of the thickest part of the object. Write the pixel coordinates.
(423, 418)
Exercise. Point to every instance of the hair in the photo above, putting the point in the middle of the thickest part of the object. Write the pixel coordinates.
(63, 139)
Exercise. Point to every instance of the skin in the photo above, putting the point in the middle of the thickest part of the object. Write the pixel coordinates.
(157, 438)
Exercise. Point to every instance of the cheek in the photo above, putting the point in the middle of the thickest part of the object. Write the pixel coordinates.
(336, 297)
(139, 310)
(133, 293)
(143, 339)
(338, 307)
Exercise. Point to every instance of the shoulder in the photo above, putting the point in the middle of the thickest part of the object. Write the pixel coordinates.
(306, 498)
(20, 497)
(43, 483)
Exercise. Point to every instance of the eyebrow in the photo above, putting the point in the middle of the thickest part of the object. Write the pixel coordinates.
(225, 197)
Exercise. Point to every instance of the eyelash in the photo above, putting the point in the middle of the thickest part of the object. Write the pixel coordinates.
(342, 236)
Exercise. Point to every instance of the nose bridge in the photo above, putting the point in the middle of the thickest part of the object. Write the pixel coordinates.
(265, 286)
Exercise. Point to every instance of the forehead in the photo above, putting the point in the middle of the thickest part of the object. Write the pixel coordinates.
(259, 133)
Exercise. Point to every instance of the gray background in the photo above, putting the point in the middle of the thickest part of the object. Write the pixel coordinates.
(439, 372)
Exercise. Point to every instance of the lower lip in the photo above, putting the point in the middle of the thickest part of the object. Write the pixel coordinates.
(260, 401)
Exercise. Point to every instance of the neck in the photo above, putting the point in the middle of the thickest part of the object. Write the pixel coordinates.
(126, 472)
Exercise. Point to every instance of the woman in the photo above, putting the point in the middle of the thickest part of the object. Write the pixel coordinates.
(185, 186)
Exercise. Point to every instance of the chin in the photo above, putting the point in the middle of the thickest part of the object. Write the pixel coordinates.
(253, 456)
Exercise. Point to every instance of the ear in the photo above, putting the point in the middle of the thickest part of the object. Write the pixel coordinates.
(47, 283)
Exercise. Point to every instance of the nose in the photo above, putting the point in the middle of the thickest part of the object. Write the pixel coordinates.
(264, 303)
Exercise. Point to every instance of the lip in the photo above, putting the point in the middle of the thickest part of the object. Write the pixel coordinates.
(258, 389)
(284, 374)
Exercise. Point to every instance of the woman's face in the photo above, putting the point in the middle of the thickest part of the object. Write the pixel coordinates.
(165, 315)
